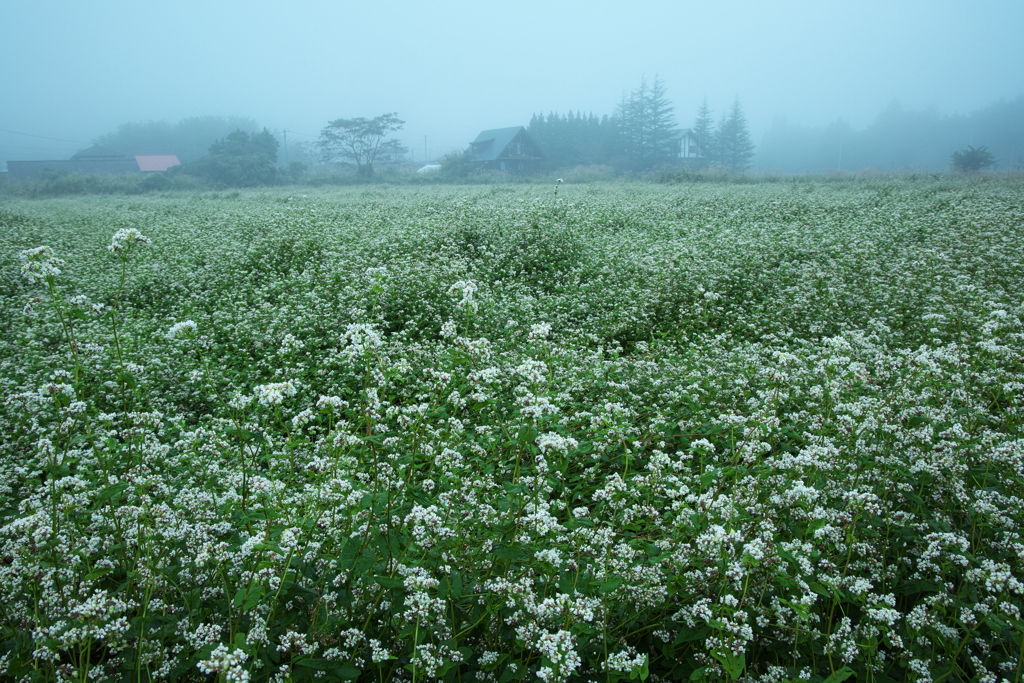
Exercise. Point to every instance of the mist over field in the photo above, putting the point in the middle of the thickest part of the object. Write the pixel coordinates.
(822, 85)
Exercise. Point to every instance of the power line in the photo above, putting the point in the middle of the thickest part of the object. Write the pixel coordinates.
(43, 137)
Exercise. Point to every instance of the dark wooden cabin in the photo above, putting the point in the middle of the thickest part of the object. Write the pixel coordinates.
(506, 149)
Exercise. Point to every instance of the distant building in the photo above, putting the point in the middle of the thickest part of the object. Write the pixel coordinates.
(429, 168)
(688, 147)
(152, 163)
(96, 160)
(506, 149)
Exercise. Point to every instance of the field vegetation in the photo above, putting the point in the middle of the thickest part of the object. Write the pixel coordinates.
(594, 432)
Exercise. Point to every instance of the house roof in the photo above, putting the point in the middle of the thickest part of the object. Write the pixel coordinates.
(98, 152)
(156, 162)
(499, 139)
(680, 134)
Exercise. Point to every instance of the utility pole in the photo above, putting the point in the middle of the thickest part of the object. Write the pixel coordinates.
(285, 146)
(425, 159)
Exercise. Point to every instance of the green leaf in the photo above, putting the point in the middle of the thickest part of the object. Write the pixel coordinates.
(698, 673)
(456, 585)
(820, 589)
(315, 664)
(364, 562)
(97, 573)
(389, 582)
(253, 599)
(609, 586)
(508, 553)
(733, 664)
(687, 635)
(128, 379)
(109, 492)
(840, 676)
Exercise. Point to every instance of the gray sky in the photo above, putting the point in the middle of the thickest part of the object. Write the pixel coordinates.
(75, 70)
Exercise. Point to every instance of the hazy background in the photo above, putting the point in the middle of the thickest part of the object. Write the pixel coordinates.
(75, 71)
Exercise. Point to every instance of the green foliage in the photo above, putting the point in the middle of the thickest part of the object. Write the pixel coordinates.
(189, 139)
(972, 160)
(238, 160)
(619, 433)
(458, 165)
(61, 183)
(575, 139)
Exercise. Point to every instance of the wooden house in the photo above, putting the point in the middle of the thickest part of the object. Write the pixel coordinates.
(687, 145)
(506, 149)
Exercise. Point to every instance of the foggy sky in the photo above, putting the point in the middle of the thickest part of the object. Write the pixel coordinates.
(76, 70)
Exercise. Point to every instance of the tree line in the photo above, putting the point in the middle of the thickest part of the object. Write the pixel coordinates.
(642, 133)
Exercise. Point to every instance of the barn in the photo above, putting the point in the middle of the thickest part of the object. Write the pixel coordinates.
(506, 149)
(97, 160)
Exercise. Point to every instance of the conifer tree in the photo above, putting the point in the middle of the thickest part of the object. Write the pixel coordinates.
(647, 124)
(735, 148)
(704, 131)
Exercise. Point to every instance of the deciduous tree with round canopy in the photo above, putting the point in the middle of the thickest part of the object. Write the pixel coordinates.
(357, 141)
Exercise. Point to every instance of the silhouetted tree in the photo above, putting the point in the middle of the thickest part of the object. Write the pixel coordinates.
(238, 160)
(357, 141)
(704, 130)
(734, 148)
(647, 124)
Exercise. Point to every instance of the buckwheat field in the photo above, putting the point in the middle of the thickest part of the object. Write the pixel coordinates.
(574, 433)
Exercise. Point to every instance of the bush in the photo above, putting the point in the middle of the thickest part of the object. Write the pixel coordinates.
(458, 165)
(239, 160)
(972, 160)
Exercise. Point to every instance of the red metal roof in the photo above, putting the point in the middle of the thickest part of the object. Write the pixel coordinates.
(156, 162)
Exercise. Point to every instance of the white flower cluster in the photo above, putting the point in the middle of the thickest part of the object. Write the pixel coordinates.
(626, 660)
(540, 331)
(466, 289)
(359, 339)
(186, 328)
(39, 264)
(552, 441)
(273, 394)
(331, 402)
(124, 238)
(560, 650)
(378, 653)
(227, 665)
(290, 344)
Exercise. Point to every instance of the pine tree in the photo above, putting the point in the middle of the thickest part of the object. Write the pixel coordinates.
(716, 151)
(704, 131)
(661, 123)
(647, 124)
(735, 148)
